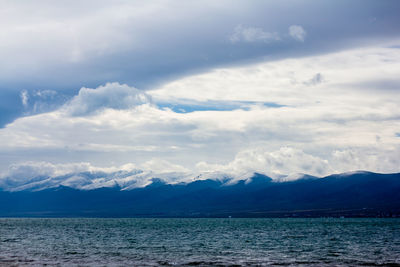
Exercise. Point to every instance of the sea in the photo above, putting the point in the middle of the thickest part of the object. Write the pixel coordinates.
(199, 242)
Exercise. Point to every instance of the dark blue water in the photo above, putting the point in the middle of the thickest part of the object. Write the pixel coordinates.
(203, 242)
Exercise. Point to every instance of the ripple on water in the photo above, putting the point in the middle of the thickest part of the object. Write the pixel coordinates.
(199, 242)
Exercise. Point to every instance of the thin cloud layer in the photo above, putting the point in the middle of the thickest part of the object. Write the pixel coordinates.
(252, 35)
(297, 32)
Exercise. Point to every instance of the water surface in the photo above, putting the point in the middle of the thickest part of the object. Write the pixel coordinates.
(204, 242)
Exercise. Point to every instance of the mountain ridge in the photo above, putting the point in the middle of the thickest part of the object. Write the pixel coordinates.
(356, 194)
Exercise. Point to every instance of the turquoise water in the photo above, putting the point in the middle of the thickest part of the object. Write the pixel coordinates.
(202, 242)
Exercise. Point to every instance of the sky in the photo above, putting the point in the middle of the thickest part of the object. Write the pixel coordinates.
(199, 89)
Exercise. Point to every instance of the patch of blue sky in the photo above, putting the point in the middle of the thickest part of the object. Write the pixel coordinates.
(216, 106)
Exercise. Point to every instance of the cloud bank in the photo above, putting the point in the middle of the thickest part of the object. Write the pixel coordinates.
(63, 47)
(315, 115)
(45, 175)
(284, 164)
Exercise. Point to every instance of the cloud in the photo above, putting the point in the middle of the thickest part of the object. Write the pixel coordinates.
(111, 95)
(40, 101)
(32, 174)
(43, 175)
(59, 47)
(252, 35)
(24, 98)
(276, 164)
(162, 166)
(318, 120)
(316, 79)
(297, 32)
(30, 170)
(375, 159)
(282, 81)
(286, 163)
(45, 93)
(63, 48)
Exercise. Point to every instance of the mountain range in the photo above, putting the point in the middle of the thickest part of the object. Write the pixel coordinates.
(355, 194)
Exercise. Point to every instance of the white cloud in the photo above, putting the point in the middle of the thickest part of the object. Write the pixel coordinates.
(286, 163)
(367, 158)
(43, 175)
(162, 166)
(297, 32)
(24, 98)
(31, 174)
(334, 115)
(111, 95)
(45, 93)
(286, 160)
(283, 82)
(251, 35)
